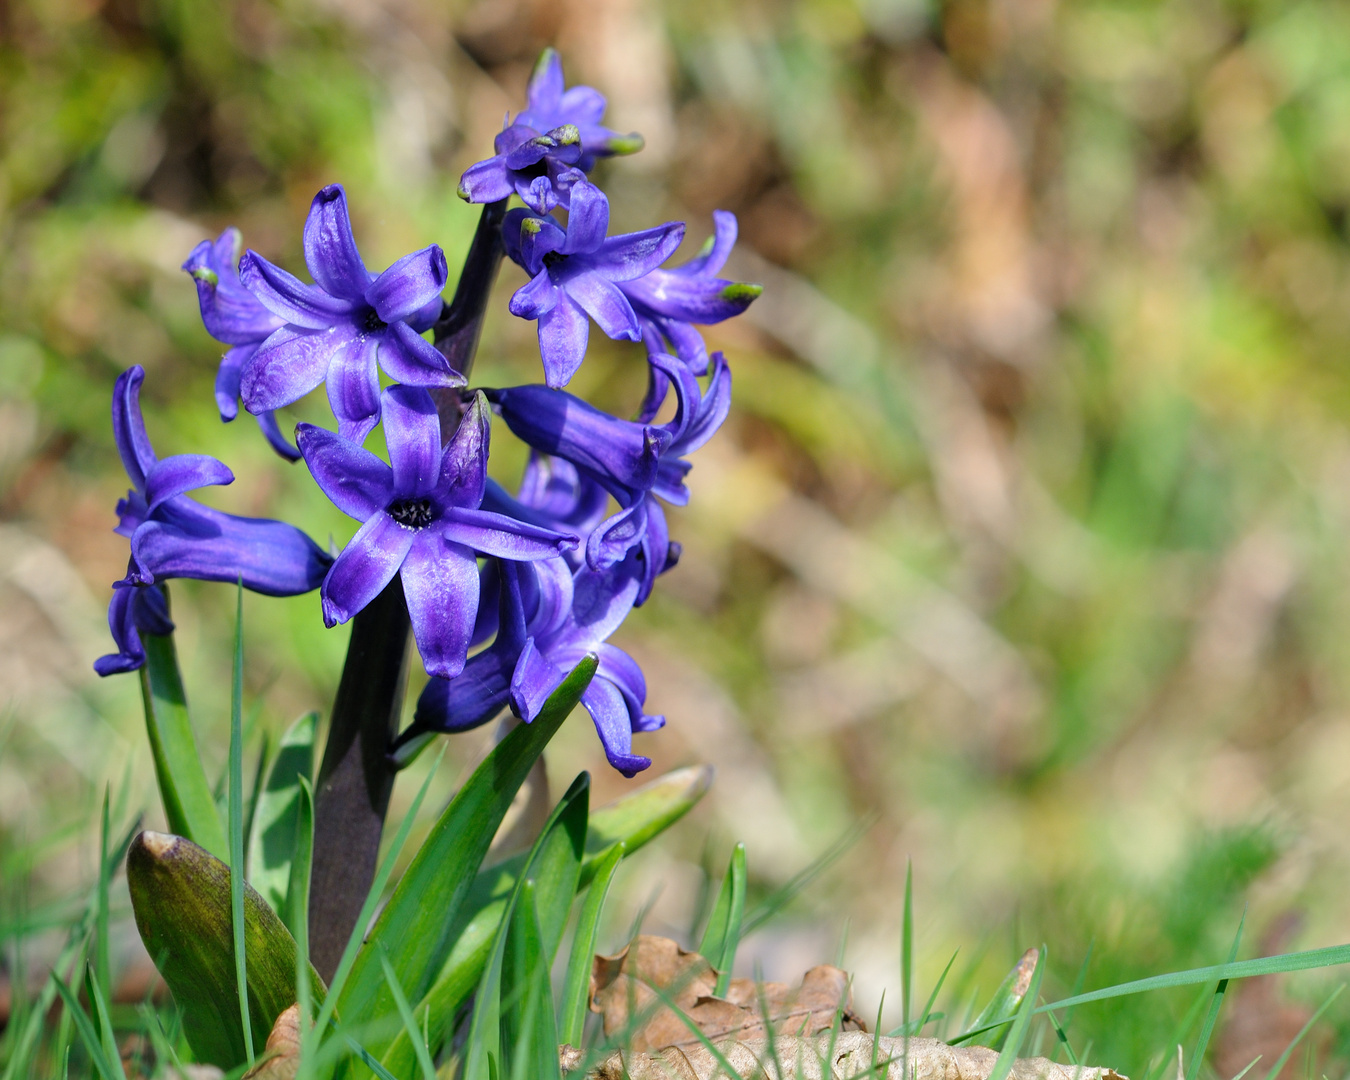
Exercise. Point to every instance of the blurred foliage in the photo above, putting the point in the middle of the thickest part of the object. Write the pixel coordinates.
(1028, 531)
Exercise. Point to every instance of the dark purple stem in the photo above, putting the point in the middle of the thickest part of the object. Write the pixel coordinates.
(356, 776)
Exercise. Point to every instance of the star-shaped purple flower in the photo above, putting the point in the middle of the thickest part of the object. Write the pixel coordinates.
(233, 316)
(422, 521)
(575, 274)
(558, 132)
(544, 632)
(667, 302)
(173, 536)
(347, 326)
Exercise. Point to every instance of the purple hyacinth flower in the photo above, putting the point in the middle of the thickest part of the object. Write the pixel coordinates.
(544, 632)
(233, 316)
(667, 302)
(559, 131)
(575, 274)
(554, 495)
(345, 328)
(133, 611)
(421, 520)
(173, 536)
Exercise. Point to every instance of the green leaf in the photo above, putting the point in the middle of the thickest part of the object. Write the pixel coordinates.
(297, 901)
(723, 932)
(907, 943)
(92, 1043)
(577, 984)
(189, 805)
(415, 926)
(1207, 1029)
(553, 864)
(410, 1029)
(180, 894)
(998, 1013)
(235, 813)
(1007, 1058)
(526, 1015)
(632, 820)
(103, 952)
(273, 836)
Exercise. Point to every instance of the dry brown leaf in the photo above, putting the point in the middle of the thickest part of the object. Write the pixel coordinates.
(621, 987)
(852, 1055)
(282, 1053)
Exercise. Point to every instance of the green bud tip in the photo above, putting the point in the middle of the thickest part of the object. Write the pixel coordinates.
(741, 291)
(462, 192)
(541, 65)
(568, 135)
(530, 225)
(625, 144)
(201, 273)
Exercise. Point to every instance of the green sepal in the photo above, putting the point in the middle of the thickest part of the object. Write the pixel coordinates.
(625, 144)
(741, 291)
(189, 805)
(272, 839)
(415, 927)
(180, 894)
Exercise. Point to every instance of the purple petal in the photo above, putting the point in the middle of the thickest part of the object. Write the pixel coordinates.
(623, 671)
(133, 444)
(582, 105)
(658, 553)
(230, 312)
(130, 653)
(712, 410)
(601, 600)
(535, 299)
(290, 298)
(271, 430)
(471, 698)
(426, 316)
(702, 300)
(533, 680)
(412, 431)
(440, 583)
(486, 181)
(545, 91)
(330, 248)
(367, 564)
(609, 711)
(539, 238)
(188, 540)
(504, 537)
(409, 284)
(587, 219)
(630, 255)
(289, 364)
(563, 332)
(610, 542)
(604, 303)
(354, 387)
(409, 358)
(355, 480)
(546, 593)
(181, 473)
(464, 461)
(717, 249)
(227, 379)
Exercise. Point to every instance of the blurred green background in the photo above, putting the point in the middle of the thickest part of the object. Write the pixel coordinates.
(1027, 534)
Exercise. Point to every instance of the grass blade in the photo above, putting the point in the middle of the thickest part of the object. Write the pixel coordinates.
(102, 946)
(528, 1033)
(1207, 1029)
(1000, 1010)
(410, 1028)
(236, 816)
(273, 834)
(1021, 1024)
(907, 943)
(92, 1043)
(1288, 1050)
(189, 804)
(297, 907)
(772, 904)
(723, 933)
(922, 1021)
(576, 984)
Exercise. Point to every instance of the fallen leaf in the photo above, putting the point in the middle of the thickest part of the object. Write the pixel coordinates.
(852, 1055)
(621, 991)
(281, 1055)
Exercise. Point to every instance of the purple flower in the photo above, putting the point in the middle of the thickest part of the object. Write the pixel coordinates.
(347, 326)
(558, 132)
(554, 495)
(133, 611)
(174, 536)
(574, 274)
(540, 639)
(421, 520)
(233, 316)
(668, 301)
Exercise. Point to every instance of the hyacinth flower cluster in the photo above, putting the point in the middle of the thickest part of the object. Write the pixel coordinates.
(504, 593)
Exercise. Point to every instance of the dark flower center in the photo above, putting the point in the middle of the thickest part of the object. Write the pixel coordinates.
(372, 323)
(411, 513)
(553, 258)
(532, 172)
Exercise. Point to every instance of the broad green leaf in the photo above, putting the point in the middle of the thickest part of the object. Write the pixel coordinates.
(577, 984)
(633, 820)
(272, 840)
(528, 1035)
(415, 926)
(553, 865)
(189, 804)
(180, 894)
(297, 902)
(723, 932)
(235, 816)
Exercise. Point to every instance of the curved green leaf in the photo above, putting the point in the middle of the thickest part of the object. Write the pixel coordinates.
(180, 894)
(577, 984)
(272, 839)
(723, 932)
